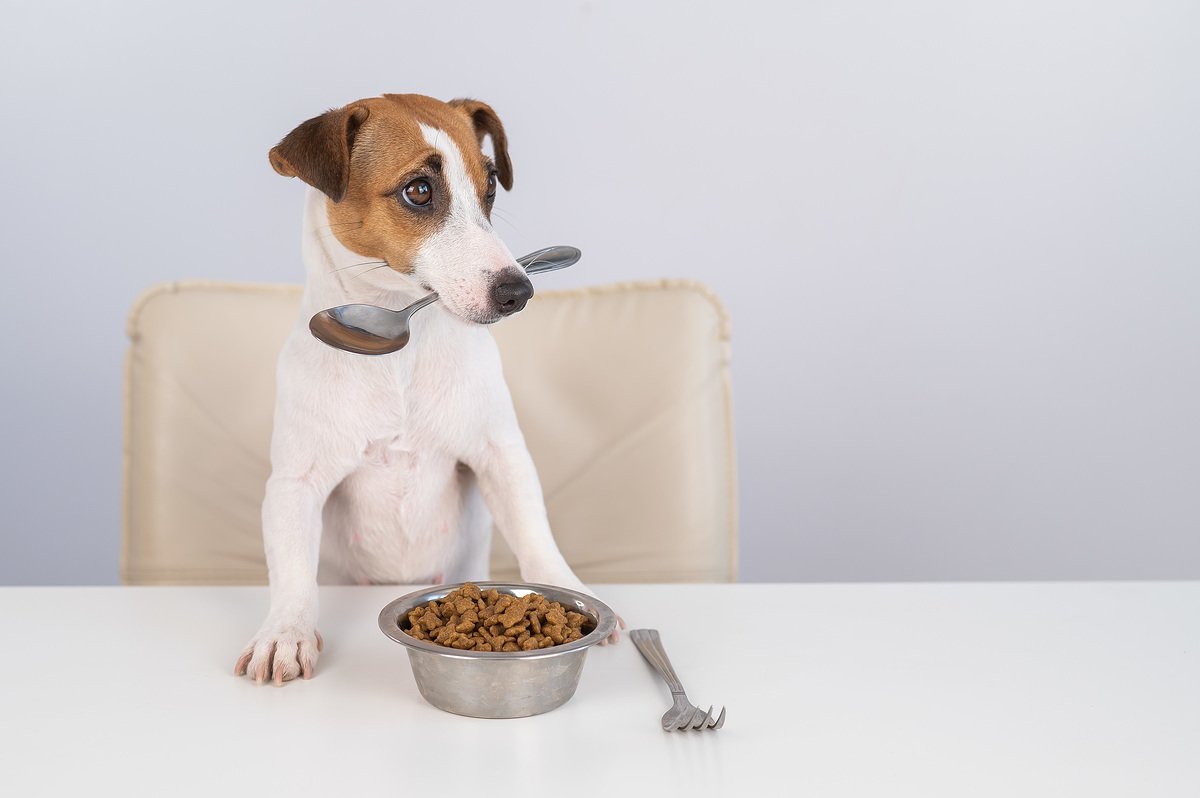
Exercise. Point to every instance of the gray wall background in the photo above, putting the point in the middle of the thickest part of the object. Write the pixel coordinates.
(959, 242)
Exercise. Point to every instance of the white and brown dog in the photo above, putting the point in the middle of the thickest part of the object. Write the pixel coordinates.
(378, 464)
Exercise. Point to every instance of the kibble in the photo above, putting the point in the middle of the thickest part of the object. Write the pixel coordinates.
(471, 619)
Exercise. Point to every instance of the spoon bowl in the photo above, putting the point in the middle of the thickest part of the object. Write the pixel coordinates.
(372, 330)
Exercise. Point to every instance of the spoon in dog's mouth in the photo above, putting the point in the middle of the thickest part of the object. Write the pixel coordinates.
(372, 330)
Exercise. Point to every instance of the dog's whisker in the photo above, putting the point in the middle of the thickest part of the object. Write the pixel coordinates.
(364, 271)
(335, 232)
(504, 218)
(350, 265)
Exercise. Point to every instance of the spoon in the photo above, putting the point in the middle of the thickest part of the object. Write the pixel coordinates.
(372, 330)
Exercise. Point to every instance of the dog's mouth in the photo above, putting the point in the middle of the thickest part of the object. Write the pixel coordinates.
(477, 317)
(469, 314)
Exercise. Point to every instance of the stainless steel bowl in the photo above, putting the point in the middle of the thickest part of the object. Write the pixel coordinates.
(493, 684)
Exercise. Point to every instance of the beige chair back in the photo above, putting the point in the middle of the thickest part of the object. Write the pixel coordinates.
(622, 392)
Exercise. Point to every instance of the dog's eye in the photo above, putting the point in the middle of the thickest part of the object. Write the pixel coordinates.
(491, 192)
(418, 193)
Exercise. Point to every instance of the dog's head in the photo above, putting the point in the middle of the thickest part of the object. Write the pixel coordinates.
(408, 184)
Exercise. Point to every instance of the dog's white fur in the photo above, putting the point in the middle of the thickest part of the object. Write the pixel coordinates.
(379, 463)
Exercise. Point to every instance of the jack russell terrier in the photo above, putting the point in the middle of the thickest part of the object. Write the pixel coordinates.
(379, 464)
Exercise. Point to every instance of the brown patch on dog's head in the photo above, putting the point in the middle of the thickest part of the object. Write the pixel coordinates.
(363, 155)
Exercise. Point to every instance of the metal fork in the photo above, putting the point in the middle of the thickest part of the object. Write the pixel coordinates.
(683, 714)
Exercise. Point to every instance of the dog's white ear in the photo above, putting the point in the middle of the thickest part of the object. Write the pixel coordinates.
(487, 123)
(318, 151)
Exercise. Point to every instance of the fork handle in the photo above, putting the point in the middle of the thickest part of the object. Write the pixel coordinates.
(650, 645)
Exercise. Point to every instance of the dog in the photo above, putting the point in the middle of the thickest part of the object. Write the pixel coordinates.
(391, 468)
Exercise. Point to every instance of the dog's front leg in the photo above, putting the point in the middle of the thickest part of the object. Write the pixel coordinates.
(509, 483)
(287, 644)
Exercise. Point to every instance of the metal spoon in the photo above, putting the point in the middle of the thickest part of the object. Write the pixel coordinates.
(372, 330)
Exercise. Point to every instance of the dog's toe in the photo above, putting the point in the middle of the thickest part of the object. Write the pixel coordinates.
(306, 657)
(285, 666)
(260, 663)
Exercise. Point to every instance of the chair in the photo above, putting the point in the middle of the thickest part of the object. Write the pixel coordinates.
(622, 392)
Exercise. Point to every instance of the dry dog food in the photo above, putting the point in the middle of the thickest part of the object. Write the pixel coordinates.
(487, 620)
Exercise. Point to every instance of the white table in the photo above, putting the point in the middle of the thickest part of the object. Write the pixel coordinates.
(863, 690)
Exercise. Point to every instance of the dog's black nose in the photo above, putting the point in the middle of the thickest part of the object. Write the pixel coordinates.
(510, 293)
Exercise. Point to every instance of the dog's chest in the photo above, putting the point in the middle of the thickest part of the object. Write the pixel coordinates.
(432, 400)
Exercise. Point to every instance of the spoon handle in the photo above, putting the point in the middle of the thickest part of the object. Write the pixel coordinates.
(428, 299)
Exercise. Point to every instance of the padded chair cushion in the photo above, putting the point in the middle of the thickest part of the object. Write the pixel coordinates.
(622, 392)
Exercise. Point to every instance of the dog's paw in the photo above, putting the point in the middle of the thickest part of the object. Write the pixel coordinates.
(280, 652)
(616, 632)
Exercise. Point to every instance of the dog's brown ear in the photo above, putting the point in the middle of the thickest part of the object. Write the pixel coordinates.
(318, 151)
(488, 124)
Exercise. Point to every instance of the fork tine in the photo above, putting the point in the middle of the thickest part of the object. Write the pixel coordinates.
(719, 722)
(702, 722)
(670, 719)
(685, 722)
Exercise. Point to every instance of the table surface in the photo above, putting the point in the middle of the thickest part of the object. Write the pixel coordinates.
(1084, 689)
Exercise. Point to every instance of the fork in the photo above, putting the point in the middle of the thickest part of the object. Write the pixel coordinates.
(683, 714)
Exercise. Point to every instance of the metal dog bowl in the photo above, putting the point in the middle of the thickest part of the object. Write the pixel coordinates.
(494, 684)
